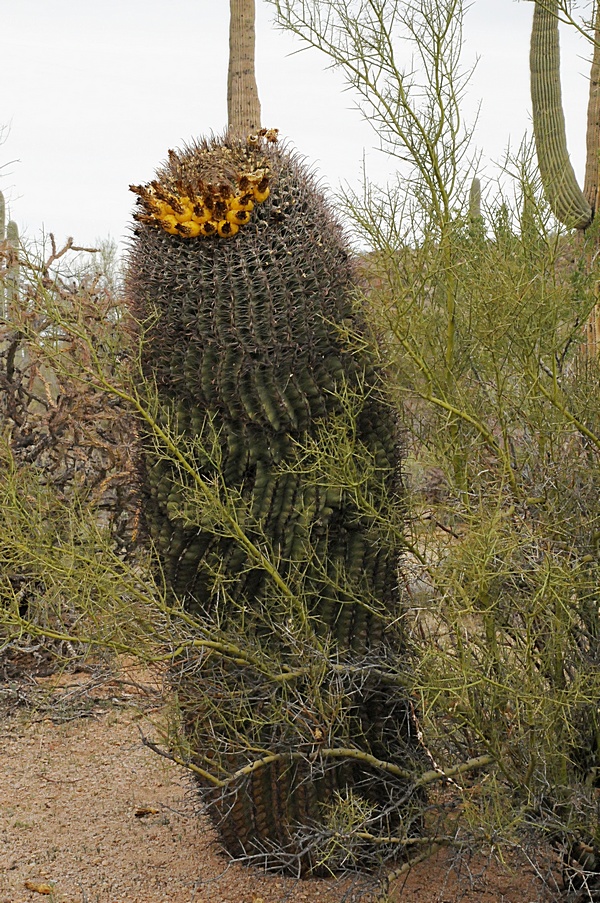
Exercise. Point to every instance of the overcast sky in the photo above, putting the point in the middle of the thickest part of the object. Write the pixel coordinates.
(94, 93)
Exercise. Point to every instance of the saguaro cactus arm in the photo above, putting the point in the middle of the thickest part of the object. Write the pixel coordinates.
(564, 195)
(592, 167)
(243, 105)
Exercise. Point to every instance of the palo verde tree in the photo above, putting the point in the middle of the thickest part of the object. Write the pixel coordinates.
(479, 308)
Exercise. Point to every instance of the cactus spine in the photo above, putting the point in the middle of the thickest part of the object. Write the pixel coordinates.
(568, 202)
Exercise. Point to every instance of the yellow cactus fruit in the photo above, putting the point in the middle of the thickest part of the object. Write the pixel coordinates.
(260, 189)
(175, 204)
(242, 202)
(260, 196)
(219, 209)
(201, 213)
(202, 207)
(188, 211)
(153, 206)
(189, 229)
(164, 209)
(227, 229)
(169, 224)
(238, 217)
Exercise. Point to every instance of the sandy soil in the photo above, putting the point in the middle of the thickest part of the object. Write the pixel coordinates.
(88, 814)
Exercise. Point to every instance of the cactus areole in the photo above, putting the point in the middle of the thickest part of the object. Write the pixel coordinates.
(246, 280)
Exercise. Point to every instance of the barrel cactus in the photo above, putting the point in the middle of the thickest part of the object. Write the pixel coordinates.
(261, 369)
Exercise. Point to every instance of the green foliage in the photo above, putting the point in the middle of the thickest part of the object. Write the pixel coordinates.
(505, 458)
(305, 709)
(61, 578)
(481, 324)
(67, 467)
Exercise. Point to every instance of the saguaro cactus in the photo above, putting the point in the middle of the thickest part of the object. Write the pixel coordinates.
(572, 206)
(9, 242)
(475, 200)
(14, 266)
(249, 282)
(243, 105)
(2, 239)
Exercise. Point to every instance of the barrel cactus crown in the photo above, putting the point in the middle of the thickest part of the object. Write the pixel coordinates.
(188, 206)
(238, 255)
(247, 286)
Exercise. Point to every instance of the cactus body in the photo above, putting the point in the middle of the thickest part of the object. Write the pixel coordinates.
(243, 105)
(564, 195)
(9, 239)
(14, 267)
(592, 165)
(2, 235)
(475, 200)
(248, 355)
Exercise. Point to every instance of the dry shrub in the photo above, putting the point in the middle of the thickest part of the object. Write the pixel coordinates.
(54, 418)
(69, 484)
